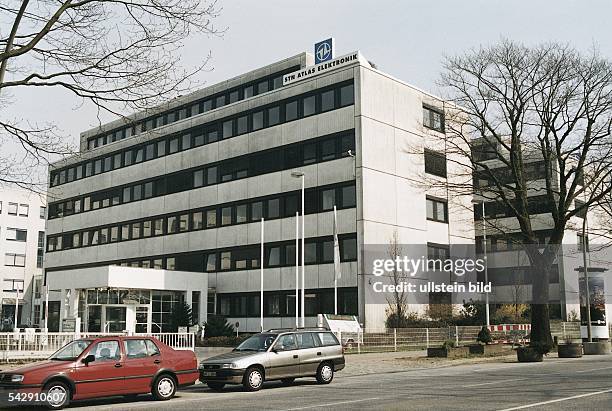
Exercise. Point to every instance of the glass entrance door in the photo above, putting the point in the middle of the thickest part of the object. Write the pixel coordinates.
(94, 318)
(115, 319)
(142, 318)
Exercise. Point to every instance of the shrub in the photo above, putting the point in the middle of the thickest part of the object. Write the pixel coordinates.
(217, 326)
(484, 336)
(224, 341)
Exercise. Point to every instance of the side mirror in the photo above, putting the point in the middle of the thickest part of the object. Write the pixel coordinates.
(274, 350)
(88, 359)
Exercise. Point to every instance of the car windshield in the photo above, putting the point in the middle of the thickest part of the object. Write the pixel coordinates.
(258, 342)
(71, 351)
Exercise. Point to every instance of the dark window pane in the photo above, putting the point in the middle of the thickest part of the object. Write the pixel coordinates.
(242, 125)
(174, 146)
(310, 253)
(161, 148)
(127, 194)
(226, 215)
(197, 220)
(172, 224)
(186, 143)
(139, 155)
(148, 190)
(328, 149)
(137, 192)
(241, 213)
(211, 175)
(228, 130)
(258, 120)
(127, 158)
(329, 199)
(206, 106)
(273, 116)
(348, 196)
(262, 87)
(347, 95)
(309, 106)
(211, 218)
(117, 161)
(256, 211)
(327, 100)
(212, 135)
(234, 96)
(310, 153)
(291, 111)
(274, 208)
(198, 178)
(198, 140)
(220, 101)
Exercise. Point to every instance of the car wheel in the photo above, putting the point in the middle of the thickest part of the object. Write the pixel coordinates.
(287, 381)
(57, 395)
(253, 379)
(325, 373)
(164, 387)
(217, 386)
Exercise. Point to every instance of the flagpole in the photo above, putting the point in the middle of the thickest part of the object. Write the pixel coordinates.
(336, 261)
(261, 279)
(297, 268)
(16, 306)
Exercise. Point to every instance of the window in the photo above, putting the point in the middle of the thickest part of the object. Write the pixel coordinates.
(127, 158)
(228, 130)
(273, 257)
(309, 105)
(14, 260)
(348, 249)
(437, 210)
(348, 196)
(310, 253)
(211, 262)
(435, 163)
(183, 222)
(305, 340)
(329, 199)
(135, 349)
(197, 220)
(262, 87)
(174, 146)
(211, 175)
(12, 208)
(347, 95)
(15, 234)
(274, 208)
(273, 116)
(433, 119)
(220, 101)
(327, 100)
(198, 178)
(158, 226)
(234, 96)
(146, 228)
(106, 350)
(242, 125)
(258, 120)
(226, 260)
(248, 91)
(226, 215)
(172, 224)
(256, 211)
(328, 149)
(211, 218)
(291, 111)
(150, 152)
(241, 213)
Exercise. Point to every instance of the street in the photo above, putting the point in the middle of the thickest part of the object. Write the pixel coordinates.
(555, 384)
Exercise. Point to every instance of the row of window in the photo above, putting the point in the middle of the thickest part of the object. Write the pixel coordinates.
(318, 250)
(282, 158)
(22, 210)
(535, 205)
(504, 175)
(282, 303)
(270, 207)
(256, 119)
(247, 90)
(509, 242)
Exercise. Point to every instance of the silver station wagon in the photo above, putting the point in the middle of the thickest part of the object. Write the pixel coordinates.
(278, 354)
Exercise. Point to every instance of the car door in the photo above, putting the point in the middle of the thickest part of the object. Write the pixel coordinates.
(103, 376)
(140, 365)
(309, 354)
(284, 358)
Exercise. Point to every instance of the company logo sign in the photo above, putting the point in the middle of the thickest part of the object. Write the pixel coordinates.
(324, 50)
(311, 71)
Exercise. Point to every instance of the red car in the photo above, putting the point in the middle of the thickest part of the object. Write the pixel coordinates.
(101, 367)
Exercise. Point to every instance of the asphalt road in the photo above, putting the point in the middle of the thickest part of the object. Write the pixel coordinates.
(555, 384)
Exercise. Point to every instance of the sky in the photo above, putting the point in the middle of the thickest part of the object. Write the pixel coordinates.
(407, 39)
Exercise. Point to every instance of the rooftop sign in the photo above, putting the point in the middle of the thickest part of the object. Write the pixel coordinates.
(324, 51)
(311, 71)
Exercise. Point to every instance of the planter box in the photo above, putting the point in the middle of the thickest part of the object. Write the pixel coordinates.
(442, 352)
(489, 349)
(597, 348)
(572, 350)
(528, 354)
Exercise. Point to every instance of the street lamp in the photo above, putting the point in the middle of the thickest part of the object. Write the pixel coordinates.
(486, 267)
(299, 174)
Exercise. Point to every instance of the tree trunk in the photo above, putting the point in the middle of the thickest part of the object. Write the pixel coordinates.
(540, 312)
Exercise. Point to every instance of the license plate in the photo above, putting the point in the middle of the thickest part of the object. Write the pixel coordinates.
(209, 374)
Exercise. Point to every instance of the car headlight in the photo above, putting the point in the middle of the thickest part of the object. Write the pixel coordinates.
(16, 378)
(229, 365)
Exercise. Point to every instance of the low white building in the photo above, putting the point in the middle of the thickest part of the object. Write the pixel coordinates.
(22, 239)
(118, 299)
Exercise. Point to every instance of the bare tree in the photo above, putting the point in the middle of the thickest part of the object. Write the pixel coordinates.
(511, 106)
(397, 312)
(115, 54)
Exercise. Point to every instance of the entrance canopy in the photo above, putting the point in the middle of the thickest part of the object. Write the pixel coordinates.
(126, 277)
